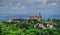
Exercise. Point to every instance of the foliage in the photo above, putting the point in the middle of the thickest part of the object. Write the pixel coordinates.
(26, 28)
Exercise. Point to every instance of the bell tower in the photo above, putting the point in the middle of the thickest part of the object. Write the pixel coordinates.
(39, 14)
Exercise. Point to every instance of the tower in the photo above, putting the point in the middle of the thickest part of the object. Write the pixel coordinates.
(39, 14)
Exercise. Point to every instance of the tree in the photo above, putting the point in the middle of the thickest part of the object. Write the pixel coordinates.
(0, 30)
(25, 25)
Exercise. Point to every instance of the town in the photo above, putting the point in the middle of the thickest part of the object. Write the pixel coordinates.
(34, 19)
(29, 17)
(35, 25)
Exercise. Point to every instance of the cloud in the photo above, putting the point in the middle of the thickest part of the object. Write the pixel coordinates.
(52, 4)
(25, 4)
(14, 7)
(57, 0)
(22, 7)
(43, 1)
(18, 6)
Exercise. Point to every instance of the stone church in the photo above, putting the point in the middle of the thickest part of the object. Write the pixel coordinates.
(36, 17)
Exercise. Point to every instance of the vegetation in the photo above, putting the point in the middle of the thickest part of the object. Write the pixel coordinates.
(26, 28)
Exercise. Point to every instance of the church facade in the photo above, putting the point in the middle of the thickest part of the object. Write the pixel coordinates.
(36, 17)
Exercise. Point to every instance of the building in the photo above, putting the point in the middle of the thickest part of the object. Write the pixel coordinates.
(36, 17)
(9, 21)
(40, 25)
(13, 21)
(49, 25)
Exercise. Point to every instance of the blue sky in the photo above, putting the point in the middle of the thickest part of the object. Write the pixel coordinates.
(46, 7)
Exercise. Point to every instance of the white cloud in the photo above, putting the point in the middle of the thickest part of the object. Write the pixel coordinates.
(52, 4)
(18, 4)
(23, 7)
(43, 1)
(17, 7)
(37, 0)
(57, 0)
(36, 3)
(14, 8)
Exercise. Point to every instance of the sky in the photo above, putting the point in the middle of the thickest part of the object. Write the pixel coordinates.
(45, 7)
